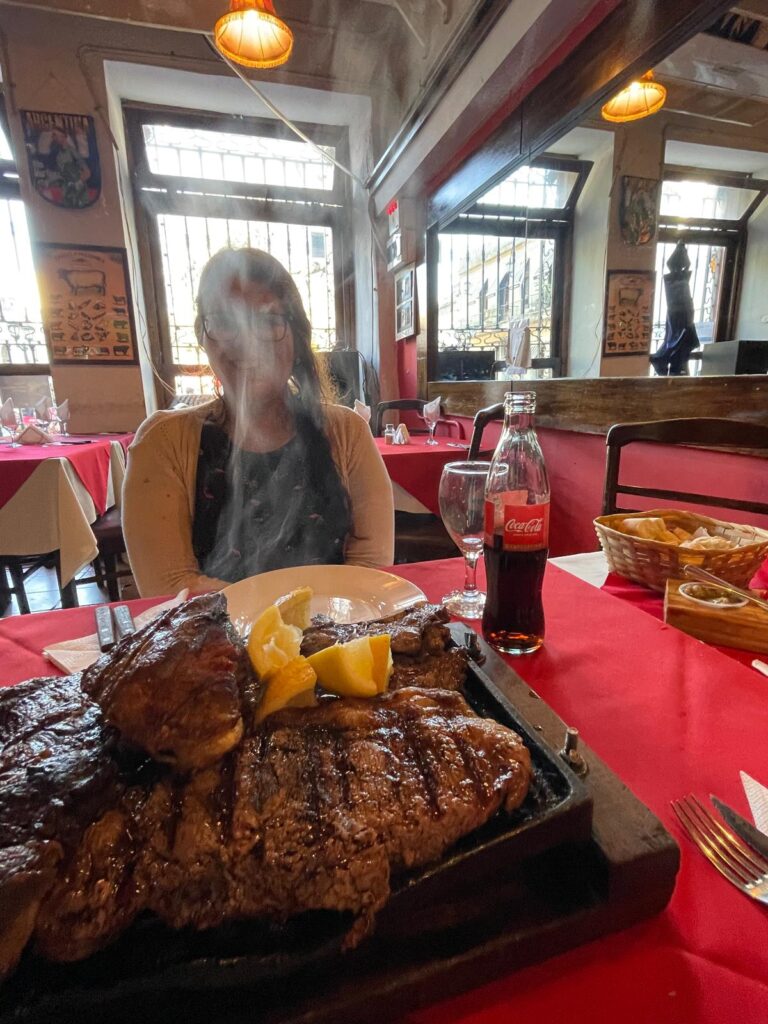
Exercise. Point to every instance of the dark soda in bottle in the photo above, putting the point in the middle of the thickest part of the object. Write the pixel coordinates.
(516, 538)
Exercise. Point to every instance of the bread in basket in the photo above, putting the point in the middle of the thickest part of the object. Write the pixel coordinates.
(652, 562)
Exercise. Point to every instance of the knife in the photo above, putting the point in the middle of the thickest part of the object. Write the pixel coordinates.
(123, 620)
(105, 631)
(752, 837)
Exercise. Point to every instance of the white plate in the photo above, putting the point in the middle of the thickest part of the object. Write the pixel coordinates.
(347, 593)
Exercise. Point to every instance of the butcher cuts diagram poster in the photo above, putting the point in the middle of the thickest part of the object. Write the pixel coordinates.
(63, 158)
(86, 301)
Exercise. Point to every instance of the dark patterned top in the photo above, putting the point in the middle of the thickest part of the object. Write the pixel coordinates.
(256, 511)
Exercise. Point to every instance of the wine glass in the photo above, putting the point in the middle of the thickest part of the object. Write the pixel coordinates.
(462, 507)
(431, 416)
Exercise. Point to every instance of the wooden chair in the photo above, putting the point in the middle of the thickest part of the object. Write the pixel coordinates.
(108, 531)
(482, 418)
(704, 432)
(400, 405)
(409, 405)
(19, 568)
(421, 538)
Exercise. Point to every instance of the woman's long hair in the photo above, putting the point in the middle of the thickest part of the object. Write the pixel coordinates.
(308, 384)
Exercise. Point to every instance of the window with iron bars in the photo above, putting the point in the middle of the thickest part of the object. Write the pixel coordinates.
(203, 183)
(22, 341)
(24, 363)
(709, 211)
(498, 290)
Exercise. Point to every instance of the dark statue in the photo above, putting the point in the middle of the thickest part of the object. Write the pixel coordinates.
(680, 337)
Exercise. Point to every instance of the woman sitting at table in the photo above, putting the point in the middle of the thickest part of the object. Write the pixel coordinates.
(267, 475)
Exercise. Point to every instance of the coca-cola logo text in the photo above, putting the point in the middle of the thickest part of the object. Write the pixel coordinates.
(532, 526)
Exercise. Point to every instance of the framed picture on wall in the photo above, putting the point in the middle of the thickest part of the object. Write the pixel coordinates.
(86, 302)
(406, 324)
(63, 157)
(628, 312)
(638, 211)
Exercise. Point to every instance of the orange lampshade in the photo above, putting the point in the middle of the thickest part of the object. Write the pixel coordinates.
(639, 99)
(253, 35)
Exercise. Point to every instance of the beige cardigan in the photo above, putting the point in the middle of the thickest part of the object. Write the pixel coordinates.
(159, 498)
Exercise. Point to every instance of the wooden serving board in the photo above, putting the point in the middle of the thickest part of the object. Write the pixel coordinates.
(744, 628)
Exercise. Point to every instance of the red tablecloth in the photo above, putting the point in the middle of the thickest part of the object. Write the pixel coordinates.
(670, 715)
(653, 603)
(89, 461)
(417, 466)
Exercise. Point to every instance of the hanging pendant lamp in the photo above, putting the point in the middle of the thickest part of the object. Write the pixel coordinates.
(253, 35)
(640, 98)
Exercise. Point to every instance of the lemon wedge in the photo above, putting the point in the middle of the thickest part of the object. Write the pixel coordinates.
(346, 669)
(294, 607)
(292, 684)
(272, 643)
(382, 660)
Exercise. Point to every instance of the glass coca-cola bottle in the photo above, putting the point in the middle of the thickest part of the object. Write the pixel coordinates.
(516, 532)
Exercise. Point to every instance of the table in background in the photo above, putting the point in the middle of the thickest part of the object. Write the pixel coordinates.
(415, 470)
(50, 495)
(669, 715)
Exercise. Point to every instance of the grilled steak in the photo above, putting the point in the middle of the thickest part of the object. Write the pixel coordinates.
(421, 630)
(174, 687)
(419, 642)
(58, 772)
(316, 810)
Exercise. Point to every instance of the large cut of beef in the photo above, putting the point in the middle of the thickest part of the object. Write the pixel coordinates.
(316, 808)
(421, 650)
(175, 687)
(58, 773)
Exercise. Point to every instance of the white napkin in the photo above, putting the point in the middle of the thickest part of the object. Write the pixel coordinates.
(363, 410)
(519, 346)
(77, 655)
(42, 407)
(62, 410)
(757, 796)
(8, 414)
(432, 409)
(401, 435)
(33, 435)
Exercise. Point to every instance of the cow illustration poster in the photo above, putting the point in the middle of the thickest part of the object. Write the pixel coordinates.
(86, 301)
(63, 158)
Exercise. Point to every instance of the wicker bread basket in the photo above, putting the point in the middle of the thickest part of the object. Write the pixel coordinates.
(653, 562)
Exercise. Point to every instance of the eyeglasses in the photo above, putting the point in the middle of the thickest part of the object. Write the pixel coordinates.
(224, 328)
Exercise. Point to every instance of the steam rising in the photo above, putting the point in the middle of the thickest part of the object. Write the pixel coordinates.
(261, 504)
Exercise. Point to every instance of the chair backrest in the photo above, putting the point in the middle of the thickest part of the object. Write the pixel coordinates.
(482, 418)
(704, 432)
(401, 404)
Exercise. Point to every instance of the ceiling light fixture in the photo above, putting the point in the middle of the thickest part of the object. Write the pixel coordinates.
(640, 98)
(252, 34)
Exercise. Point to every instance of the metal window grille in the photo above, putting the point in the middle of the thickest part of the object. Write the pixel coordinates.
(203, 187)
(707, 262)
(21, 329)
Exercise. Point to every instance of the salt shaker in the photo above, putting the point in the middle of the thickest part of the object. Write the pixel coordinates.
(389, 433)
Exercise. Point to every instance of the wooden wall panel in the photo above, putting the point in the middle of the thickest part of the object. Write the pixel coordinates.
(591, 406)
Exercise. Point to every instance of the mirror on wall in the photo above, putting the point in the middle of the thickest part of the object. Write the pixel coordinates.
(626, 249)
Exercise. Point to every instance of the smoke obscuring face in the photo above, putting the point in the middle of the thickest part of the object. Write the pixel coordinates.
(249, 340)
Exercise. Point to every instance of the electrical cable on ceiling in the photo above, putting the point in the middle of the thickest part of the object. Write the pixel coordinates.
(279, 114)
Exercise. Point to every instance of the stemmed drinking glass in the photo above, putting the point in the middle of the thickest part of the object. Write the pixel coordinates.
(462, 506)
(431, 416)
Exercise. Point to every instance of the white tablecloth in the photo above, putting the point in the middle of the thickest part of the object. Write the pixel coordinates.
(53, 511)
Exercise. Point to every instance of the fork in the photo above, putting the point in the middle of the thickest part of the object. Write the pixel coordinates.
(736, 861)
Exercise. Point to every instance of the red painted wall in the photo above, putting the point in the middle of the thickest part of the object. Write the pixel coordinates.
(576, 465)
